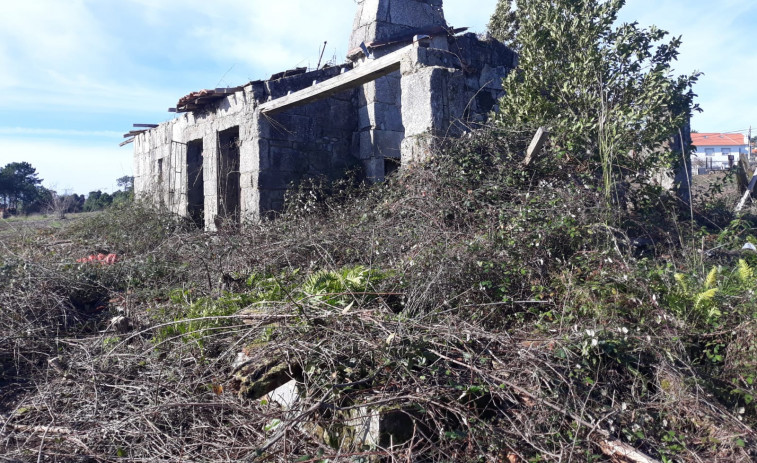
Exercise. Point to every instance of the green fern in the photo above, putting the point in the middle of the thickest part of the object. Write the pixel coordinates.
(744, 272)
(681, 280)
(711, 279)
(335, 287)
(704, 298)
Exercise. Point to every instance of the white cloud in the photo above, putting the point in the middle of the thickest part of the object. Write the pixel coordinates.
(44, 35)
(81, 93)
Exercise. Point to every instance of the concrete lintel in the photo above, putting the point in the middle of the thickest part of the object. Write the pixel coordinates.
(366, 72)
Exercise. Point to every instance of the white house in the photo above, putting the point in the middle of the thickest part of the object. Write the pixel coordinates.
(717, 150)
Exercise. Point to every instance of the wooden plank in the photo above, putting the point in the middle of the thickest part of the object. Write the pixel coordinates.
(365, 73)
(147, 126)
(134, 132)
(534, 149)
(742, 170)
(747, 193)
(131, 140)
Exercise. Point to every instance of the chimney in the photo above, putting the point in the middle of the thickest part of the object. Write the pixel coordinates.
(382, 21)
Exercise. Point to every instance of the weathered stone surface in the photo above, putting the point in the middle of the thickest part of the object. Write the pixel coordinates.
(380, 20)
(381, 116)
(491, 77)
(423, 101)
(417, 148)
(367, 428)
(286, 395)
(383, 90)
(254, 379)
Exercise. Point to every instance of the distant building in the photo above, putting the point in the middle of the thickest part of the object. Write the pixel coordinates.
(717, 150)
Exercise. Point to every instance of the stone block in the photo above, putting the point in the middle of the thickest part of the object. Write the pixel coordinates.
(371, 428)
(417, 148)
(365, 146)
(381, 20)
(374, 169)
(250, 200)
(416, 13)
(271, 201)
(459, 98)
(273, 180)
(341, 163)
(383, 90)
(272, 128)
(257, 379)
(387, 143)
(319, 162)
(338, 114)
(380, 116)
(260, 151)
(372, 11)
(287, 159)
(491, 77)
(423, 101)
(380, 144)
(286, 396)
(300, 128)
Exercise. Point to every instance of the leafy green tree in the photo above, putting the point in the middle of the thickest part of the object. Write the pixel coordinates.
(606, 91)
(126, 183)
(97, 201)
(6, 187)
(126, 194)
(503, 24)
(19, 185)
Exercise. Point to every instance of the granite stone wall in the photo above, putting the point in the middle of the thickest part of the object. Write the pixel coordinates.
(274, 152)
(228, 160)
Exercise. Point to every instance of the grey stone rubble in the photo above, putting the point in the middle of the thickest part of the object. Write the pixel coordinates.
(224, 158)
(367, 427)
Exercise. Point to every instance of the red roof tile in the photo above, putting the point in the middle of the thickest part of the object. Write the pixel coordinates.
(718, 139)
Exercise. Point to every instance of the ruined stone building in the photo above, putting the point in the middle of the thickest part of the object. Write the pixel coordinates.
(409, 78)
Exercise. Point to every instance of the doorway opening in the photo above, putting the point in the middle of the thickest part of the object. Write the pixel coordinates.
(195, 183)
(229, 191)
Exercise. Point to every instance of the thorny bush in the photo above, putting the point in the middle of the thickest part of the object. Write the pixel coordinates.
(488, 311)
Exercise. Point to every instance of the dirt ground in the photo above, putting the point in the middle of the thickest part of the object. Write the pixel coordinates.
(716, 185)
(24, 224)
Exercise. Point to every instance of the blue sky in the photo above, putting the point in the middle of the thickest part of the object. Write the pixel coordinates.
(76, 74)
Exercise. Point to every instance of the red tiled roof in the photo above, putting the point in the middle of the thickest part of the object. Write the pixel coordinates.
(718, 139)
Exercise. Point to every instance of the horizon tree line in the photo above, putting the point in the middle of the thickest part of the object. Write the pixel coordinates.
(21, 192)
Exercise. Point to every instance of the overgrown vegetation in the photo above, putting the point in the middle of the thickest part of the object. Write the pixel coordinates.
(493, 313)
(472, 308)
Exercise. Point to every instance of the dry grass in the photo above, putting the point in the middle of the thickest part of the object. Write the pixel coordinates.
(509, 317)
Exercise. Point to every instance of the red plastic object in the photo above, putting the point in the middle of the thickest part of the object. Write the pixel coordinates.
(102, 259)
